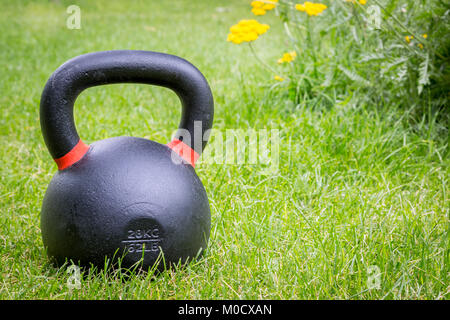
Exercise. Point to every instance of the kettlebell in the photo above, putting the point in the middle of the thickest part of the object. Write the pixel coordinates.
(125, 199)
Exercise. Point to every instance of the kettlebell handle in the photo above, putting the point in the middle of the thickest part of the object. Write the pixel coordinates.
(122, 66)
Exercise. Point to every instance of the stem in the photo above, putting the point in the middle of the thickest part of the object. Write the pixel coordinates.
(309, 38)
(390, 27)
(358, 20)
(289, 34)
(418, 39)
(261, 61)
(398, 21)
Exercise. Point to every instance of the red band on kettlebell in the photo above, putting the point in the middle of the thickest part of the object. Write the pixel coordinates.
(72, 156)
(184, 151)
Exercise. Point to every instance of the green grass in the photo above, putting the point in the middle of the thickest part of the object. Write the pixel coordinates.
(357, 185)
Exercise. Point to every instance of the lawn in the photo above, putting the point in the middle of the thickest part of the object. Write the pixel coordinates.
(358, 207)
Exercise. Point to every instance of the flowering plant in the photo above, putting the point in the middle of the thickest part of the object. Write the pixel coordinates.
(388, 50)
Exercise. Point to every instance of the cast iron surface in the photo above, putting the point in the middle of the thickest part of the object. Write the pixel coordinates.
(125, 198)
(125, 193)
(122, 66)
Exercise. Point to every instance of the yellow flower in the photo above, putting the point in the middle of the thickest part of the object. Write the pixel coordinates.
(270, 4)
(312, 9)
(363, 2)
(258, 11)
(257, 4)
(259, 8)
(246, 31)
(420, 46)
(300, 7)
(425, 35)
(409, 38)
(278, 78)
(288, 57)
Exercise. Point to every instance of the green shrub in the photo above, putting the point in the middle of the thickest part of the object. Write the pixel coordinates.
(385, 53)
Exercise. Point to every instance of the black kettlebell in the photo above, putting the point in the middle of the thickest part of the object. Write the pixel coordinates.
(125, 197)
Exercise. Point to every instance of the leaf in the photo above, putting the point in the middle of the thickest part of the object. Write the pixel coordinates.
(388, 67)
(355, 34)
(328, 78)
(424, 76)
(372, 57)
(353, 75)
(401, 75)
